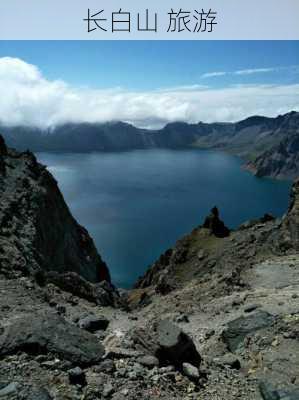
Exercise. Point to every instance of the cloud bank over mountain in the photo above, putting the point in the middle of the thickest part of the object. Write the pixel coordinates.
(29, 98)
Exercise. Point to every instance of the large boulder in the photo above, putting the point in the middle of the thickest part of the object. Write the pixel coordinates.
(49, 333)
(175, 346)
(238, 329)
(168, 343)
(93, 323)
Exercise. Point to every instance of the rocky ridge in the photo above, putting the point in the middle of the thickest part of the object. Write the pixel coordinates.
(268, 143)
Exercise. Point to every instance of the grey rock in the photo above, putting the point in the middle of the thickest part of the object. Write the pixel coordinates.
(116, 353)
(239, 328)
(107, 390)
(148, 361)
(209, 333)
(190, 371)
(40, 394)
(50, 364)
(229, 360)
(93, 323)
(182, 318)
(175, 346)
(269, 393)
(251, 307)
(106, 366)
(35, 333)
(9, 389)
(77, 376)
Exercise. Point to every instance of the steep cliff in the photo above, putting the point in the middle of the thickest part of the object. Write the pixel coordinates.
(37, 230)
(281, 161)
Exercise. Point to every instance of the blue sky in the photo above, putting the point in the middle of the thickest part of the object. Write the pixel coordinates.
(158, 64)
(146, 83)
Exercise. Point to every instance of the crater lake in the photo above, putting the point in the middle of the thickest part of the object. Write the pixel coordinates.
(137, 204)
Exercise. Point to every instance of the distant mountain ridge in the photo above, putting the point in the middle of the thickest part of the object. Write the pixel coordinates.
(254, 139)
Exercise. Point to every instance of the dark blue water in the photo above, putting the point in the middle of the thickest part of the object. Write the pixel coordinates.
(137, 204)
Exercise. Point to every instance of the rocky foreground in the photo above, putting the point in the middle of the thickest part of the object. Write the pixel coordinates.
(216, 317)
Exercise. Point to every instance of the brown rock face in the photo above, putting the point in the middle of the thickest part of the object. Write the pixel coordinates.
(37, 230)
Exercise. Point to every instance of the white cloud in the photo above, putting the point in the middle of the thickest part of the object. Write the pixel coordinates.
(254, 71)
(251, 71)
(214, 74)
(28, 98)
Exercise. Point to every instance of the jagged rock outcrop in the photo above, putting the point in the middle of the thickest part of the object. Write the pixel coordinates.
(37, 230)
(161, 275)
(215, 225)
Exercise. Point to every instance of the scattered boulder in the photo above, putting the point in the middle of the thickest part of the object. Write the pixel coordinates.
(191, 372)
(40, 394)
(107, 390)
(118, 353)
(239, 328)
(9, 389)
(182, 318)
(215, 225)
(93, 323)
(168, 343)
(106, 366)
(77, 376)
(228, 360)
(175, 346)
(251, 307)
(148, 361)
(50, 333)
(269, 393)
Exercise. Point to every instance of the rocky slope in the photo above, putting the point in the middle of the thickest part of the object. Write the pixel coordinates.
(215, 318)
(37, 228)
(238, 297)
(281, 161)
